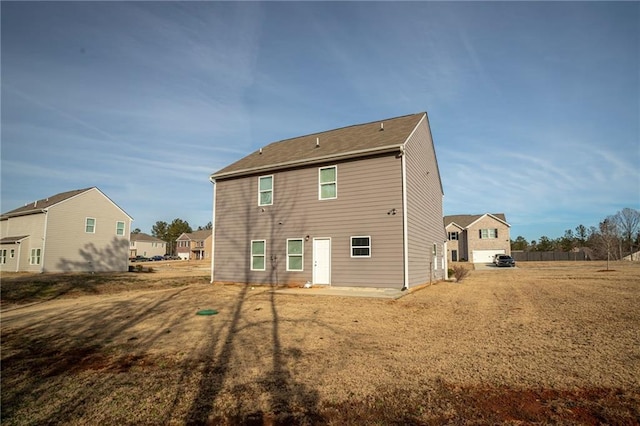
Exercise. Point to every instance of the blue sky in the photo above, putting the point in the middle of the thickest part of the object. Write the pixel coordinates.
(534, 107)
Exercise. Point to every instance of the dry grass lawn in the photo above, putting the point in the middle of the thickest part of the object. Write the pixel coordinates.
(542, 343)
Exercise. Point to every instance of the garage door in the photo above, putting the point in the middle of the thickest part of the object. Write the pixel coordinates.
(485, 256)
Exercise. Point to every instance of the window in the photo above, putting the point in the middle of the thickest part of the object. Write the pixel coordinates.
(35, 257)
(90, 225)
(453, 235)
(488, 233)
(258, 255)
(12, 253)
(265, 190)
(295, 255)
(120, 228)
(360, 246)
(328, 179)
(3, 256)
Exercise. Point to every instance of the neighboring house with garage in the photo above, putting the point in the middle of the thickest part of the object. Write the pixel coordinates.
(194, 245)
(142, 244)
(356, 206)
(477, 238)
(75, 231)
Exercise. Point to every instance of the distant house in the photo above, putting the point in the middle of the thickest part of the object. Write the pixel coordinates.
(80, 230)
(477, 238)
(194, 245)
(142, 244)
(356, 206)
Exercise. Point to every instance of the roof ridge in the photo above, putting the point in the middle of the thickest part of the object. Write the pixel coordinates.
(345, 127)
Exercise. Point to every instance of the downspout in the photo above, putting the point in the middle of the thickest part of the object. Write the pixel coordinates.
(445, 257)
(44, 238)
(213, 227)
(19, 254)
(405, 230)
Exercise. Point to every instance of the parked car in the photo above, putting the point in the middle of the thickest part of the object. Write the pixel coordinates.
(504, 260)
(171, 257)
(139, 259)
(156, 258)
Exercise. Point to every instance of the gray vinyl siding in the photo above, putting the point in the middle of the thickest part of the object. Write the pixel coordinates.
(424, 208)
(367, 190)
(70, 248)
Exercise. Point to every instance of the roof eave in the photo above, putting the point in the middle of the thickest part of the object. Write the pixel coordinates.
(22, 213)
(309, 161)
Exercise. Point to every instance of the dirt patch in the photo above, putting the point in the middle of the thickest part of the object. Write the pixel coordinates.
(541, 343)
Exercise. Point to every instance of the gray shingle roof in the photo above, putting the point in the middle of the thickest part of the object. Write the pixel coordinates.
(141, 236)
(38, 205)
(355, 140)
(464, 220)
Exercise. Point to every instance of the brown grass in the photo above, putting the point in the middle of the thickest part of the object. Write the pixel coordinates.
(541, 343)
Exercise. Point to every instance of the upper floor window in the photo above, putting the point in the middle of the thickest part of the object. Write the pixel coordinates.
(90, 225)
(328, 183)
(295, 255)
(265, 190)
(453, 235)
(360, 246)
(120, 228)
(488, 233)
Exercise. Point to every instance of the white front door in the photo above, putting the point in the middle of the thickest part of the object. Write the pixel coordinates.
(322, 261)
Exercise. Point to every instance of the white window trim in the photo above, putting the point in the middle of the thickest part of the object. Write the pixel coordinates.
(320, 183)
(351, 246)
(35, 253)
(301, 255)
(260, 191)
(3, 256)
(488, 233)
(124, 228)
(455, 234)
(263, 255)
(95, 223)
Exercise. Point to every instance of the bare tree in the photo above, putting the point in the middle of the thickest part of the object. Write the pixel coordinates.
(628, 222)
(608, 236)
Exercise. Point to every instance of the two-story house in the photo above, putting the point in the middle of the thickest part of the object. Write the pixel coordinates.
(477, 238)
(80, 230)
(356, 206)
(142, 244)
(194, 245)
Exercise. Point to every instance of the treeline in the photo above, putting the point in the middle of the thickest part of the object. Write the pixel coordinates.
(169, 232)
(615, 237)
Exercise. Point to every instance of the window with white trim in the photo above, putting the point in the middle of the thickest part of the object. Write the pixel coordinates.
(12, 253)
(295, 254)
(490, 233)
(120, 228)
(360, 246)
(258, 255)
(265, 190)
(34, 259)
(3, 256)
(90, 225)
(453, 235)
(328, 183)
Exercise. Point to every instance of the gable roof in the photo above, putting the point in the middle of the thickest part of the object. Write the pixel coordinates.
(39, 206)
(346, 142)
(141, 236)
(200, 235)
(465, 220)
